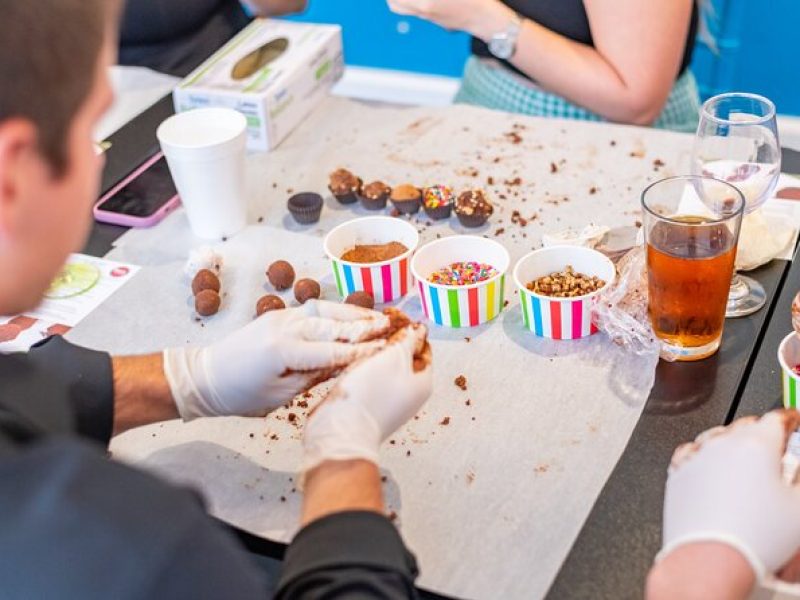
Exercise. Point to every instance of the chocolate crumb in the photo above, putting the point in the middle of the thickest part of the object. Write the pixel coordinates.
(473, 418)
(260, 219)
(658, 163)
(392, 442)
(445, 421)
(613, 143)
(468, 339)
(302, 404)
(392, 516)
(490, 180)
(274, 436)
(283, 498)
(505, 303)
(553, 167)
(252, 435)
(394, 213)
(461, 382)
(592, 190)
(292, 417)
(638, 224)
(501, 230)
(383, 478)
(408, 452)
(274, 186)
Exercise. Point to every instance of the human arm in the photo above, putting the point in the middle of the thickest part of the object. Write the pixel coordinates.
(273, 8)
(726, 502)
(355, 548)
(699, 571)
(625, 77)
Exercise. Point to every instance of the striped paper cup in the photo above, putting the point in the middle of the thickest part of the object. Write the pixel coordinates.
(789, 357)
(465, 305)
(386, 281)
(560, 318)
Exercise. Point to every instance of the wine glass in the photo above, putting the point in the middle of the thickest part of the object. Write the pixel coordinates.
(737, 142)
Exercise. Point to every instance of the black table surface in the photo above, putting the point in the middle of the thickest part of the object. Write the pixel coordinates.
(616, 545)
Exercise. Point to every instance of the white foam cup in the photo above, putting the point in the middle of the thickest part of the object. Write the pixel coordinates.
(205, 151)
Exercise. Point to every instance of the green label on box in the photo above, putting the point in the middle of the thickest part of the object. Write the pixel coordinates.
(323, 70)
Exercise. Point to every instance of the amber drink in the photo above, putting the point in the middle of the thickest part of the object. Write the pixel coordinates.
(691, 230)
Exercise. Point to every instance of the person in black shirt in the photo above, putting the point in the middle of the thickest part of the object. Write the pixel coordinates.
(74, 524)
(619, 60)
(175, 36)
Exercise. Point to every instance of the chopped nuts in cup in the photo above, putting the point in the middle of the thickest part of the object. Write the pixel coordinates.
(565, 284)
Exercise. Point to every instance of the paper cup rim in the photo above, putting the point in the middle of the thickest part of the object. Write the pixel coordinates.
(781, 361)
(441, 286)
(524, 288)
(165, 136)
(363, 265)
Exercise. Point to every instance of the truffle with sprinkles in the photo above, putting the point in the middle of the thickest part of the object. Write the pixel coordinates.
(437, 195)
(462, 273)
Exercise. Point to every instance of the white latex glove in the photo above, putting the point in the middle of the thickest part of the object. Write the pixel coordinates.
(261, 366)
(728, 487)
(372, 399)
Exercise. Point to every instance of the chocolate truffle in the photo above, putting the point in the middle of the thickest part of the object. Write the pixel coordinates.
(205, 280)
(268, 303)
(344, 186)
(473, 209)
(362, 299)
(374, 195)
(207, 302)
(281, 275)
(406, 198)
(306, 289)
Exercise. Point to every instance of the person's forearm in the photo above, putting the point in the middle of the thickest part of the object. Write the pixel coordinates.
(268, 8)
(141, 392)
(338, 486)
(699, 571)
(588, 76)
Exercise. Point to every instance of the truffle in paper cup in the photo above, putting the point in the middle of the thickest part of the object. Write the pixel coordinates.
(385, 281)
(463, 305)
(560, 318)
(789, 357)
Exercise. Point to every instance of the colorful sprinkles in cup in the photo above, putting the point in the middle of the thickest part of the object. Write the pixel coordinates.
(462, 273)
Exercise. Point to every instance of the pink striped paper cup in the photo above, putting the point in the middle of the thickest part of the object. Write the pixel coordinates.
(560, 318)
(463, 305)
(386, 281)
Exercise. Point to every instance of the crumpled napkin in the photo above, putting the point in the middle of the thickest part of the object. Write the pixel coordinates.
(589, 237)
(762, 238)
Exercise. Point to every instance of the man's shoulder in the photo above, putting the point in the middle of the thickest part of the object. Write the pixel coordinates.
(74, 517)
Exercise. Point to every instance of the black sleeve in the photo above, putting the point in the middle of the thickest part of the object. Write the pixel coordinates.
(84, 377)
(348, 555)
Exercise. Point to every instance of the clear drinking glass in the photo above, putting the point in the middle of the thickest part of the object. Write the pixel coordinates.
(737, 142)
(691, 228)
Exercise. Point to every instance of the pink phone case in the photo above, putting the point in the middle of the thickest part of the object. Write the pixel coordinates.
(128, 220)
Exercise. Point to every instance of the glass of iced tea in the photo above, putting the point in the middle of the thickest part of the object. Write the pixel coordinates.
(691, 228)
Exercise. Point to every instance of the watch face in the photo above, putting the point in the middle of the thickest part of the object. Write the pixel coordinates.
(501, 46)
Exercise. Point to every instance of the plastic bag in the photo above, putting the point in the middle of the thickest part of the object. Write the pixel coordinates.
(621, 310)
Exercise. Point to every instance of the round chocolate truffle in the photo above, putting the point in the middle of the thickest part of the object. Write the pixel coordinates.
(268, 303)
(362, 299)
(207, 302)
(205, 280)
(281, 275)
(306, 289)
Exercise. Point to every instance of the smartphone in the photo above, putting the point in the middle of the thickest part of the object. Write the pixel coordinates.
(142, 199)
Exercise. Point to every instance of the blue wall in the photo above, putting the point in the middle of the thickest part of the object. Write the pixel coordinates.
(756, 40)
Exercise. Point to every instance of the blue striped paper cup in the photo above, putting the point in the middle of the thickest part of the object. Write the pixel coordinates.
(464, 305)
(789, 357)
(560, 318)
(385, 281)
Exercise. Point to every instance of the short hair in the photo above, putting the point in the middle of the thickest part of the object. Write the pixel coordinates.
(49, 51)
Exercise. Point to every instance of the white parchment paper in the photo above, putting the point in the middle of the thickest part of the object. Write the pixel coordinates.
(489, 486)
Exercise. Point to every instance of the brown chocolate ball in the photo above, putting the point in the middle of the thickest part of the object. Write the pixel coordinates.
(205, 280)
(306, 289)
(207, 302)
(268, 303)
(362, 299)
(280, 275)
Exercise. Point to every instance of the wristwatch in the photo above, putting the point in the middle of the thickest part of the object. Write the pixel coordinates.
(503, 45)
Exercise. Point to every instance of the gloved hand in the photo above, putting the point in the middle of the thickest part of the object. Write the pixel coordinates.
(371, 399)
(263, 365)
(728, 487)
